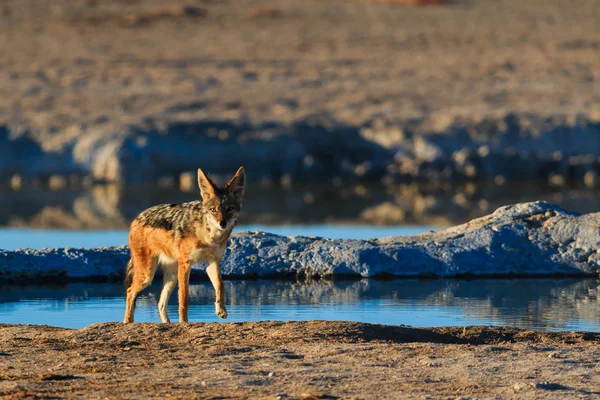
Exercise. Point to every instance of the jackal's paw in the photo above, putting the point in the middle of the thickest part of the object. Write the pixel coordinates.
(221, 312)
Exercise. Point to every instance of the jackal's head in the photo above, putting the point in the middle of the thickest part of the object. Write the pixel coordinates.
(222, 205)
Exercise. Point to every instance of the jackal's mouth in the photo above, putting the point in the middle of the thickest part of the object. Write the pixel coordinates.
(221, 225)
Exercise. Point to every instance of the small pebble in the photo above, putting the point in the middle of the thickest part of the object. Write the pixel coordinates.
(461, 156)
(362, 169)
(286, 181)
(483, 151)
(556, 180)
(309, 161)
(590, 179)
(461, 200)
(188, 181)
(361, 190)
(308, 198)
(57, 182)
(470, 170)
(16, 182)
(223, 135)
(483, 204)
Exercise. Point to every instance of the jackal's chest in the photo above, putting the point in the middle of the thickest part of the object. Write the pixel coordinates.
(203, 253)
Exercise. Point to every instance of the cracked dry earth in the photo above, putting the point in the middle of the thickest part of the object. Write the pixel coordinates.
(296, 360)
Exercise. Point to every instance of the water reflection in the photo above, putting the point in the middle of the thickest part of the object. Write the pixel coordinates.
(540, 304)
(113, 206)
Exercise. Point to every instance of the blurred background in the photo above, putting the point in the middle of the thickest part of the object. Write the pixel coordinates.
(420, 113)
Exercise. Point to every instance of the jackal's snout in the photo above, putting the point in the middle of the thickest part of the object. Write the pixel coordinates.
(225, 218)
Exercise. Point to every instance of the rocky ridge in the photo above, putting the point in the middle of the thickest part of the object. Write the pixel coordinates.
(522, 240)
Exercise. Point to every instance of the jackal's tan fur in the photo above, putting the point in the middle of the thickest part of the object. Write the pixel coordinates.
(176, 235)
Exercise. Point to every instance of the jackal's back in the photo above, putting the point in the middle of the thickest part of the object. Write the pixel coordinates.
(176, 218)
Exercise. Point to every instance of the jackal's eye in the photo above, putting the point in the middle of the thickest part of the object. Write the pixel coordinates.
(213, 210)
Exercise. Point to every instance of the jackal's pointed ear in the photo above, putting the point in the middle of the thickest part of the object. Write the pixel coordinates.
(207, 187)
(237, 184)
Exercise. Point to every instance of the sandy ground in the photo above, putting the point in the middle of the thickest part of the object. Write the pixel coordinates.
(302, 360)
(67, 66)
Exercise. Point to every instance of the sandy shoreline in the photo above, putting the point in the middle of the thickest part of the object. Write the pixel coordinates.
(295, 360)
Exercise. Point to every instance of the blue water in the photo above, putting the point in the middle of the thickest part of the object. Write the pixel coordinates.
(16, 238)
(539, 304)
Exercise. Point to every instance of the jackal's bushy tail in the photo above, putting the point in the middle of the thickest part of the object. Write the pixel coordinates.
(129, 273)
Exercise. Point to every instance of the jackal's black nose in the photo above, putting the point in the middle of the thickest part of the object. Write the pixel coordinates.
(223, 224)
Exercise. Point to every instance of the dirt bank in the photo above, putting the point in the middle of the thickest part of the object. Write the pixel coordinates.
(307, 360)
(357, 89)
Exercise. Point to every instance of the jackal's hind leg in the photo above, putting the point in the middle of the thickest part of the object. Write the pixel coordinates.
(144, 269)
(169, 283)
(214, 273)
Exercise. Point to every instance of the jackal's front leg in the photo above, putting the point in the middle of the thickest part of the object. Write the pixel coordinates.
(214, 273)
(183, 278)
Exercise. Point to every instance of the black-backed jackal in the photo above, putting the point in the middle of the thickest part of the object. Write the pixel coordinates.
(175, 236)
